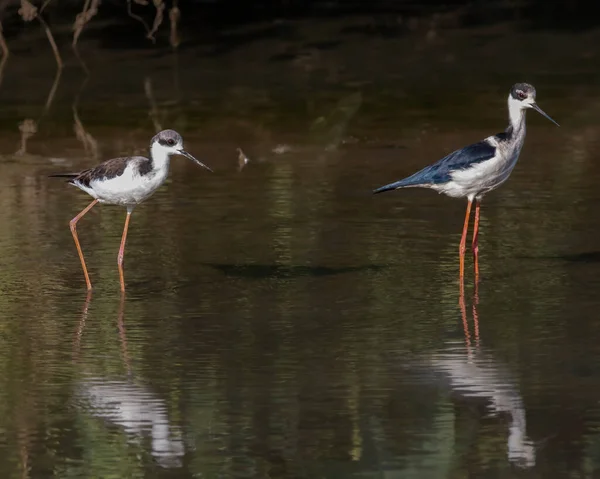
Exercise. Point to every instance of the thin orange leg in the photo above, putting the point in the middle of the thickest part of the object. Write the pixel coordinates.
(122, 251)
(463, 314)
(73, 226)
(463, 241)
(475, 240)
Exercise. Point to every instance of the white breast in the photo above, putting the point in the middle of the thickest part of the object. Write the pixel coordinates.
(128, 189)
(487, 175)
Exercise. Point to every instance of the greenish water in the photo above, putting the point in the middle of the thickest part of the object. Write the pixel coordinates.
(279, 320)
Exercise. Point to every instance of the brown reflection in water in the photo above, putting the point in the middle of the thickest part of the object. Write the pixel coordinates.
(120, 326)
(90, 144)
(81, 326)
(154, 111)
(53, 89)
(29, 126)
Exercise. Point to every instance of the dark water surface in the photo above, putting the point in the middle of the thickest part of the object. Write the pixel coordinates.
(279, 320)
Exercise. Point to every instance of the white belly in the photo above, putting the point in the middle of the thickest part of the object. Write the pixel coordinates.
(482, 177)
(130, 188)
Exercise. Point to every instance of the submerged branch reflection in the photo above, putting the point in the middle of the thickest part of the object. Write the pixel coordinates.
(29, 127)
(90, 9)
(90, 145)
(154, 112)
(53, 89)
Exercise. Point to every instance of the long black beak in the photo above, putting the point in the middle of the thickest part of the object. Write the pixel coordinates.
(541, 112)
(187, 155)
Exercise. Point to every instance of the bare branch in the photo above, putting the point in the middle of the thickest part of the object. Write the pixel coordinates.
(28, 12)
(160, 7)
(53, 89)
(44, 5)
(2, 65)
(137, 17)
(3, 45)
(28, 128)
(174, 15)
(57, 56)
(3, 48)
(90, 9)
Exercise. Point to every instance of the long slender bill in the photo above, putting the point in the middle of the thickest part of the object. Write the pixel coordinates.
(187, 155)
(541, 112)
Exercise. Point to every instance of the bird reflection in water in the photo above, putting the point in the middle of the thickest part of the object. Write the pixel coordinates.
(473, 372)
(134, 407)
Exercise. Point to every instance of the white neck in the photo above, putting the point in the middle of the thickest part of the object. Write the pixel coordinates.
(160, 158)
(516, 114)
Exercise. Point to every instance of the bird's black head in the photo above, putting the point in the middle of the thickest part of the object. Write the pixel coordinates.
(522, 97)
(522, 91)
(169, 142)
(168, 139)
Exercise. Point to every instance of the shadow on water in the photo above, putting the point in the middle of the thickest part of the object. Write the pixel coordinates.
(583, 257)
(261, 271)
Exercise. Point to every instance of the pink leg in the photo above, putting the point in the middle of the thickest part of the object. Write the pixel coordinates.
(122, 251)
(73, 226)
(463, 314)
(475, 239)
(463, 242)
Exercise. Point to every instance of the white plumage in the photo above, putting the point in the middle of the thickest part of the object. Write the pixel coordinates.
(127, 181)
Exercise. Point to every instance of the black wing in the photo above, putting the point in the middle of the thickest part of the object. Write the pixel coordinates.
(440, 172)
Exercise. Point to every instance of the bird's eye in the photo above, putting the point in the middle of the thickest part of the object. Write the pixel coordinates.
(521, 94)
(170, 142)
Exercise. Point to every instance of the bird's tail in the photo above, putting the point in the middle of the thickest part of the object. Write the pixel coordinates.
(70, 176)
(63, 175)
(413, 180)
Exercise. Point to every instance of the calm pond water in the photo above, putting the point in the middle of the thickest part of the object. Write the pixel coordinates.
(280, 321)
